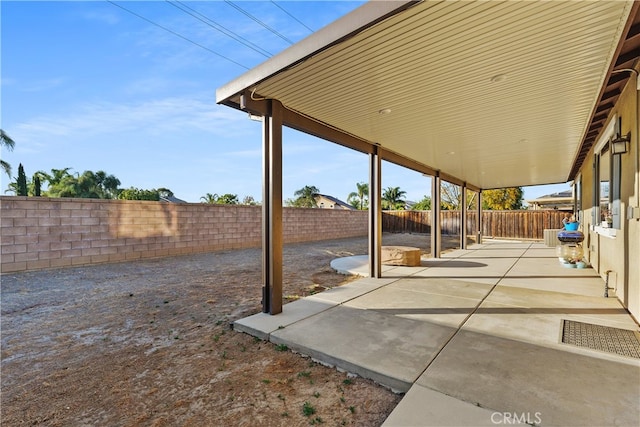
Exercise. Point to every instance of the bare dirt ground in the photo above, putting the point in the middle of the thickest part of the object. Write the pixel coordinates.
(149, 343)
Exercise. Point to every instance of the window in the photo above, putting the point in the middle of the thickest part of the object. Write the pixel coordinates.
(606, 219)
(607, 177)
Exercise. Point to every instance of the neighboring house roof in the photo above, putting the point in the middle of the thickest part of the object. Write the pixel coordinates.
(559, 201)
(330, 202)
(171, 199)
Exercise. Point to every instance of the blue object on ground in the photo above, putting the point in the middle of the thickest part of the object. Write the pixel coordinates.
(571, 226)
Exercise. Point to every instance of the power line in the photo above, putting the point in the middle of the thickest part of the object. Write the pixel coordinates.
(241, 10)
(296, 19)
(227, 32)
(178, 35)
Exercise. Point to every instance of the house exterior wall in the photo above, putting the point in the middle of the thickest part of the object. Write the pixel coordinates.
(39, 233)
(620, 255)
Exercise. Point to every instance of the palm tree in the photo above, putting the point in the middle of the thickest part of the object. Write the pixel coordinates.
(393, 198)
(359, 199)
(209, 198)
(306, 197)
(6, 141)
(59, 183)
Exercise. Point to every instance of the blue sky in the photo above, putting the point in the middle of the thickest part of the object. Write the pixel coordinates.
(90, 86)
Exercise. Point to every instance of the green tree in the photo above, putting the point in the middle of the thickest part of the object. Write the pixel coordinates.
(209, 198)
(6, 141)
(359, 199)
(21, 182)
(37, 186)
(423, 205)
(89, 185)
(306, 197)
(56, 181)
(393, 198)
(98, 185)
(132, 193)
(225, 199)
(503, 199)
(228, 199)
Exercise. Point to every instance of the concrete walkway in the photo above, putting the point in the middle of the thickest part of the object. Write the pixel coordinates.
(473, 338)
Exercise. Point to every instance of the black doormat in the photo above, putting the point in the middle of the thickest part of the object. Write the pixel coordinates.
(603, 338)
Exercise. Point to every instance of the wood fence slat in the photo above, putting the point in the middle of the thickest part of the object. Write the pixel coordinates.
(508, 224)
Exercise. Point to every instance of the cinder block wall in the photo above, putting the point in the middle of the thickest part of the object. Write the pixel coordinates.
(38, 233)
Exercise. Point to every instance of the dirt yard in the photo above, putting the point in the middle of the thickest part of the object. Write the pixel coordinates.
(149, 343)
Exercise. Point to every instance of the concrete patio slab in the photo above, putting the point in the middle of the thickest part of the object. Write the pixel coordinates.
(578, 285)
(535, 267)
(540, 252)
(385, 348)
(443, 286)
(261, 325)
(536, 316)
(438, 410)
(489, 270)
(475, 338)
(357, 265)
(436, 308)
(341, 294)
(495, 253)
(550, 386)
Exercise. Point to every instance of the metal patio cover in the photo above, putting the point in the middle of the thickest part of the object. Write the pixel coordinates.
(488, 93)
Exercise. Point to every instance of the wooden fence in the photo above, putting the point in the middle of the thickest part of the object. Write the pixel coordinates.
(507, 224)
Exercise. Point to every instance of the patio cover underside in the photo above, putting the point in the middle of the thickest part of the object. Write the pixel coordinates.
(492, 94)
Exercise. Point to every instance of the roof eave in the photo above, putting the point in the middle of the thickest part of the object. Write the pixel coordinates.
(361, 18)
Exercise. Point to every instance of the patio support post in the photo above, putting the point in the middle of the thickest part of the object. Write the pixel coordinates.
(272, 209)
(463, 218)
(436, 230)
(479, 222)
(375, 214)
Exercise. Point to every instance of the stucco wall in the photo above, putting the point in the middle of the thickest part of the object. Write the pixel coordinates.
(620, 254)
(38, 233)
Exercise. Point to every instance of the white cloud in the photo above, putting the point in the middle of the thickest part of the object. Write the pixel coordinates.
(157, 117)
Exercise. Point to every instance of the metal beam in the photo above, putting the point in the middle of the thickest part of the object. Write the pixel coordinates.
(272, 208)
(375, 214)
(436, 237)
(463, 218)
(303, 123)
(479, 222)
(397, 159)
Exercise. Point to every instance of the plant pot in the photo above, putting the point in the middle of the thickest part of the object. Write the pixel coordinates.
(569, 265)
(571, 226)
(581, 264)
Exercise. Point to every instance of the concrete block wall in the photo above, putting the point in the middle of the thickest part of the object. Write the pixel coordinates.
(39, 233)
